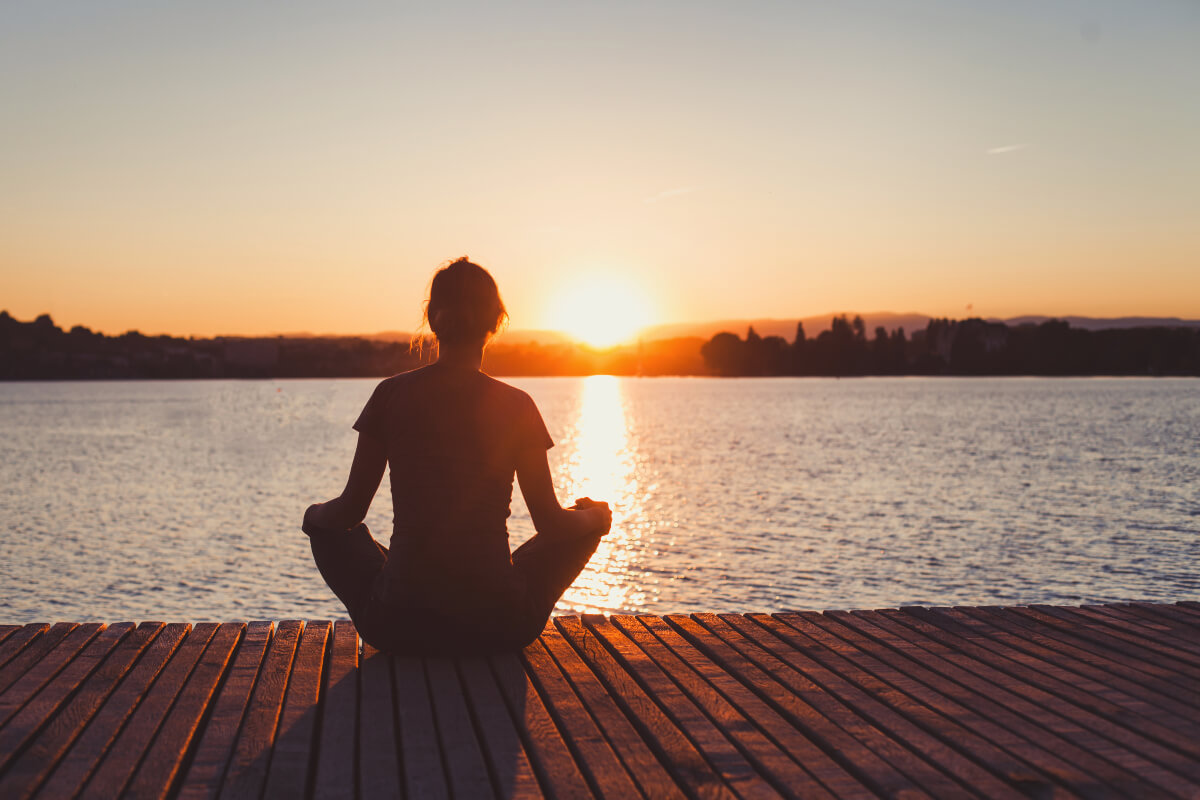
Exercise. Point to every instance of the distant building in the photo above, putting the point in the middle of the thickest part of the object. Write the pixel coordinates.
(991, 336)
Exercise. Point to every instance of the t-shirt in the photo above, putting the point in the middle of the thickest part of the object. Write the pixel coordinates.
(452, 439)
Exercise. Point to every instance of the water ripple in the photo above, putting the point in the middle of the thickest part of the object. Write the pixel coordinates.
(181, 500)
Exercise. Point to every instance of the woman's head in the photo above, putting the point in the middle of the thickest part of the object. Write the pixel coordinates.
(464, 304)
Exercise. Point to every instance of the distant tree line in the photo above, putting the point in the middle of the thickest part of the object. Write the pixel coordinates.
(40, 350)
(958, 347)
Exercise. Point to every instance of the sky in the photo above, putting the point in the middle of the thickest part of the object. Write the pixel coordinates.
(199, 168)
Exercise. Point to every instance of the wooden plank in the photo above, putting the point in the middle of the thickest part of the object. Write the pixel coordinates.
(590, 753)
(175, 737)
(42, 673)
(673, 748)
(557, 771)
(247, 772)
(1084, 685)
(630, 748)
(721, 754)
(821, 676)
(33, 653)
(44, 701)
(1187, 607)
(1010, 708)
(862, 749)
(731, 708)
(1177, 619)
(207, 770)
(952, 702)
(816, 719)
(112, 773)
(1174, 619)
(1184, 622)
(293, 759)
(1165, 673)
(8, 630)
(1040, 701)
(421, 753)
(1113, 622)
(32, 766)
(1116, 744)
(336, 735)
(12, 645)
(509, 765)
(730, 763)
(1137, 647)
(83, 756)
(1153, 683)
(464, 758)
(1166, 632)
(378, 751)
(1133, 750)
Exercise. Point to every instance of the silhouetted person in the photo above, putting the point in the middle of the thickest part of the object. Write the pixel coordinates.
(454, 438)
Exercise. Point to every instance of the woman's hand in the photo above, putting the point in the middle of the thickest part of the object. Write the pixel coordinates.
(587, 517)
(598, 511)
(320, 517)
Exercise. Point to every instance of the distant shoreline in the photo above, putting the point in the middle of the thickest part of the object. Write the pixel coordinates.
(40, 350)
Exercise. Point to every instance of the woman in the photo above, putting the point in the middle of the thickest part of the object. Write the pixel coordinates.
(454, 438)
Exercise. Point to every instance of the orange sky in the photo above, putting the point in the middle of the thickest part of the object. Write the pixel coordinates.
(213, 168)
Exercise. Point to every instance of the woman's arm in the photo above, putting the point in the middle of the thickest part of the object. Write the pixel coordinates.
(350, 507)
(589, 517)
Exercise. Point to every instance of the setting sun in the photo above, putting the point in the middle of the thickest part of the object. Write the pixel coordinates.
(600, 310)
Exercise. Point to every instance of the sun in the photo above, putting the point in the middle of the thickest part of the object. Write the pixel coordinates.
(600, 310)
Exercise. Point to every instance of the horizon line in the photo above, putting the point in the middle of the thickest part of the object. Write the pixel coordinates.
(663, 328)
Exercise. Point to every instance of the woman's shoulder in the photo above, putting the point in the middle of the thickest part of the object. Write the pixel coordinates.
(407, 377)
(507, 391)
(428, 382)
(399, 384)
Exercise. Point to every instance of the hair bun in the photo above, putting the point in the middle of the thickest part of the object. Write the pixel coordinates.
(464, 303)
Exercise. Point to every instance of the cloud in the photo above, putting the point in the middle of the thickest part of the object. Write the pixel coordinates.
(668, 194)
(1007, 148)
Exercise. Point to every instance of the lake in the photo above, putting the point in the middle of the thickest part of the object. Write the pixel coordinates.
(182, 500)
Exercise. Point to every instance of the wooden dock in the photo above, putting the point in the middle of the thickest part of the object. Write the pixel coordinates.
(1096, 701)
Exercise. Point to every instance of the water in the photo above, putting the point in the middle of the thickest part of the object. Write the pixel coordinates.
(182, 500)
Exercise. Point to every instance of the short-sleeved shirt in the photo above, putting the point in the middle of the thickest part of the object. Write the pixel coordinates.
(452, 440)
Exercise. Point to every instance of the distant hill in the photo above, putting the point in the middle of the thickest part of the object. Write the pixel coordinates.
(786, 328)
(1106, 323)
(910, 321)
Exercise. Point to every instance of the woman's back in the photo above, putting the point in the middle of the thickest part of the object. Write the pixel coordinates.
(452, 439)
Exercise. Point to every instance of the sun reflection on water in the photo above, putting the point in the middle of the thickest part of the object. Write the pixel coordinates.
(602, 465)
